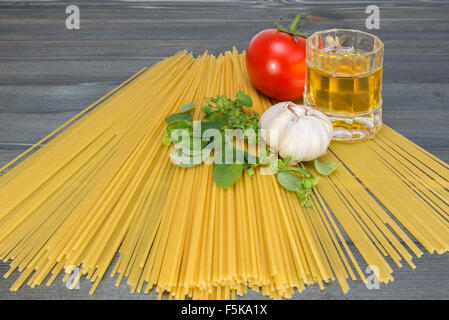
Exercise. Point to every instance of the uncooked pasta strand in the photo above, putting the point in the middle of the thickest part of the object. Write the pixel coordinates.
(112, 189)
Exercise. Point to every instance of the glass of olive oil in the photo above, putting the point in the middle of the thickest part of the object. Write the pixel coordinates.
(344, 80)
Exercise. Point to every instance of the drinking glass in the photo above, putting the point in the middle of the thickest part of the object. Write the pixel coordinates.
(344, 80)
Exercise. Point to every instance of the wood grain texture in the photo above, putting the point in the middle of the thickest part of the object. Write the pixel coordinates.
(429, 281)
(48, 73)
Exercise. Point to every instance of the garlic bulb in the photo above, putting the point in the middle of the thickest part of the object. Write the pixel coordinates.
(300, 132)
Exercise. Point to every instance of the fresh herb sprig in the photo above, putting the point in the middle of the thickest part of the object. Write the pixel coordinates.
(230, 112)
(222, 113)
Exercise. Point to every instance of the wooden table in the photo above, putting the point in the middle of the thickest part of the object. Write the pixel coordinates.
(49, 73)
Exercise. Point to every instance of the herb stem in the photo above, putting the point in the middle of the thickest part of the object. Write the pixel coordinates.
(293, 24)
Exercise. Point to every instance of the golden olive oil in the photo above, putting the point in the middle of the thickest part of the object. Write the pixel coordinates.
(342, 86)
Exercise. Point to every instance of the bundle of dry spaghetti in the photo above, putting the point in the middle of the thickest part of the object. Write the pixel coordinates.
(103, 183)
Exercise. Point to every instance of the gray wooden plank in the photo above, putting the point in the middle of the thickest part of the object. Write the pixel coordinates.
(214, 21)
(428, 281)
(123, 48)
(9, 151)
(67, 72)
(93, 29)
(47, 97)
(30, 127)
(417, 69)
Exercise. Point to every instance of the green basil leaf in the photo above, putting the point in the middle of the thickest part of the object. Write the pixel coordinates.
(209, 115)
(224, 153)
(301, 171)
(244, 99)
(188, 107)
(166, 141)
(274, 166)
(179, 124)
(177, 117)
(309, 183)
(220, 118)
(325, 168)
(225, 175)
(217, 125)
(289, 181)
(181, 160)
(287, 160)
(189, 165)
(251, 159)
(183, 126)
(305, 202)
(187, 147)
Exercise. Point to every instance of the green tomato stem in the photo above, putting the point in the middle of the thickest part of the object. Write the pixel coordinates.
(293, 29)
(295, 21)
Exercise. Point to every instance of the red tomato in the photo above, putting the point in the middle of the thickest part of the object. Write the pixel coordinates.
(276, 64)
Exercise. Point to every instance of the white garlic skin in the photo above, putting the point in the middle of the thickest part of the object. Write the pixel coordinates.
(303, 133)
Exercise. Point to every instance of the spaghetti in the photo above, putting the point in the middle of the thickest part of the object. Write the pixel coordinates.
(112, 188)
